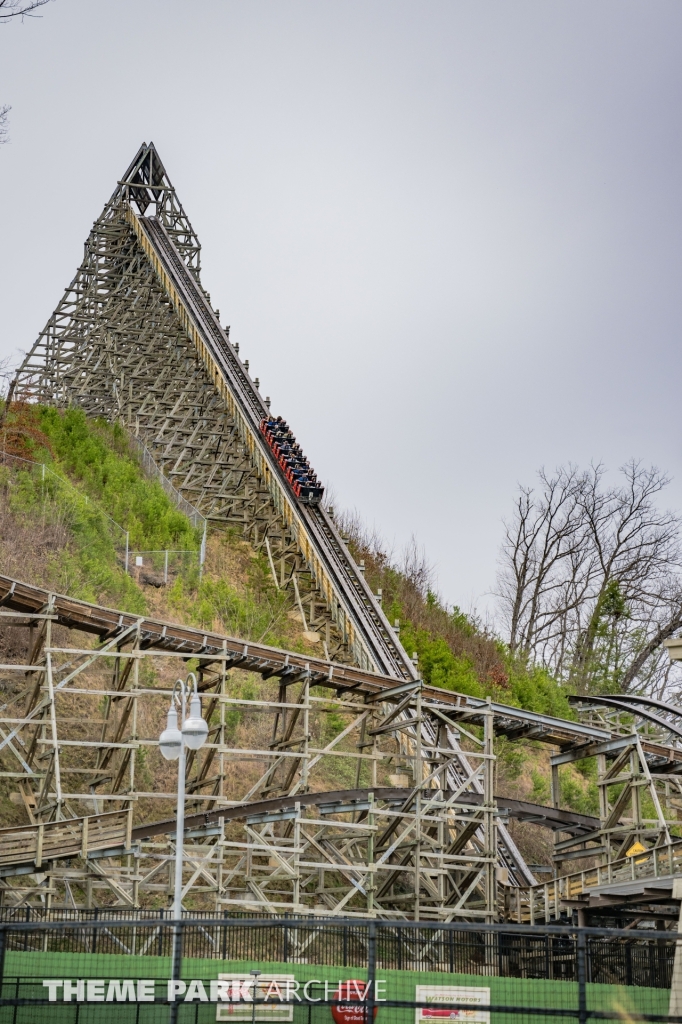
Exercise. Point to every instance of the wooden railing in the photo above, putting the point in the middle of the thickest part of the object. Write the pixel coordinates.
(546, 901)
(74, 837)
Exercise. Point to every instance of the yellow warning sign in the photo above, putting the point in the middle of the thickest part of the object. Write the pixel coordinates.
(635, 849)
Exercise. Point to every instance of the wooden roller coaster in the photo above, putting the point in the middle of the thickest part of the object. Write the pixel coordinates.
(417, 831)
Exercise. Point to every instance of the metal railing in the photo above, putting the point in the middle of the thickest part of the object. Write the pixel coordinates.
(119, 535)
(299, 967)
(150, 467)
(548, 900)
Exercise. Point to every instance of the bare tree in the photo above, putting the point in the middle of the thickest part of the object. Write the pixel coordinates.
(590, 580)
(542, 551)
(417, 569)
(15, 9)
(20, 8)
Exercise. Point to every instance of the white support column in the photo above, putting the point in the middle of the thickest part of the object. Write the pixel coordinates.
(490, 825)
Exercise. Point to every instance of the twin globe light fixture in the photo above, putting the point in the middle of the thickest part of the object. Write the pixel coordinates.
(172, 742)
(194, 728)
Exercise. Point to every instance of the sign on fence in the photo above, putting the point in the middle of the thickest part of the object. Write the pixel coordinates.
(442, 999)
(274, 989)
(352, 1010)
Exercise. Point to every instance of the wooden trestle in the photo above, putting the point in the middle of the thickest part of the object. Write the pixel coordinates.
(79, 733)
(136, 340)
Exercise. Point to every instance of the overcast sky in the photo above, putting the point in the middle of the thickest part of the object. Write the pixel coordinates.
(446, 235)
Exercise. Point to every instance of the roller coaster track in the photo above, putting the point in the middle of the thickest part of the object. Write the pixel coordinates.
(76, 361)
(522, 810)
(424, 719)
(450, 783)
(107, 624)
(103, 349)
(135, 339)
(332, 563)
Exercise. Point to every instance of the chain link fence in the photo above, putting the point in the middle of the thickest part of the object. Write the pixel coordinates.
(153, 471)
(159, 568)
(155, 568)
(143, 970)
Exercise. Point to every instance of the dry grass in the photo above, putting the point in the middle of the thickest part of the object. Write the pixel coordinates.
(30, 547)
(21, 434)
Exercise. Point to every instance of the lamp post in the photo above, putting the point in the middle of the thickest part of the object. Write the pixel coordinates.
(172, 742)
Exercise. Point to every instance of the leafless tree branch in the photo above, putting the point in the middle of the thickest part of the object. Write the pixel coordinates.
(590, 578)
(20, 8)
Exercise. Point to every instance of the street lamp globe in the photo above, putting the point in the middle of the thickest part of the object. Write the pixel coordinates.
(170, 740)
(195, 728)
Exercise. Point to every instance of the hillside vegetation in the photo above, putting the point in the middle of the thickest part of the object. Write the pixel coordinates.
(454, 651)
(56, 532)
(458, 653)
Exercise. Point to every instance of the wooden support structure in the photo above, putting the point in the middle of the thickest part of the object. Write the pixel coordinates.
(135, 340)
(79, 734)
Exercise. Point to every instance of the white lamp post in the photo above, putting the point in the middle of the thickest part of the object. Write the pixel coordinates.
(172, 742)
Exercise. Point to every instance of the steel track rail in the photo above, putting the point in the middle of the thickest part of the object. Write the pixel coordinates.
(107, 623)
(358, 614)
(248, 410)
(624, 705)
(522, 810)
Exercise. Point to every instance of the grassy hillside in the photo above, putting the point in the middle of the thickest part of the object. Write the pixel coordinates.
(58, 535)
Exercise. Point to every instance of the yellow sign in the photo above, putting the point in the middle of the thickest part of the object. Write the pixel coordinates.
(635, 849)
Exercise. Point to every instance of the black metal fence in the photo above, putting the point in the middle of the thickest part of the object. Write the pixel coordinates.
(143, 969)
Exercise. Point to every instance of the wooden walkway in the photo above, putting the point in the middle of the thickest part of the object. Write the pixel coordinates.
(647, 876)
(38, 844)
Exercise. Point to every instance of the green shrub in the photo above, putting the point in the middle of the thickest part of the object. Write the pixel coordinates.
(587, 767)
(97, 455)
(239, 615)
(333, 723)
(86, 567)
(511, 757)
(437, 663)
(541, 790)
(581, 798)
(534, 689)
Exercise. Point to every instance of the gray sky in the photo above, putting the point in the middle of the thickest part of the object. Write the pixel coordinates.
(445, 234)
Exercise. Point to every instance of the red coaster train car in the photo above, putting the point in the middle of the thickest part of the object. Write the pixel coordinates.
(296, 468)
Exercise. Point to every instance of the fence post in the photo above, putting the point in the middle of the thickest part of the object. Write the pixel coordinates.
(3, 943)
(127, 547)
(202, 551)
(582, 977)
(176, 969)
(165, 567)
(370, 997)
